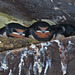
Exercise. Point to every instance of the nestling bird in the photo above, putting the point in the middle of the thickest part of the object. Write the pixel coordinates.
(14, 30)
(41, 31)
(65, 30)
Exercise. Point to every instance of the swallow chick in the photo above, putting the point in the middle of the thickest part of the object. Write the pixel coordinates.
(14, 30)
(41, 31)
(65, 30)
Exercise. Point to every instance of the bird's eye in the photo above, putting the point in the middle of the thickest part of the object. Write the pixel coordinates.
(48, 28)
(13, 30)
(38, 28)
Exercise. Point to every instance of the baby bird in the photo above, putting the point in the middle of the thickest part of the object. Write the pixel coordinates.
(41, 31)
(64, 30)
(14, 30)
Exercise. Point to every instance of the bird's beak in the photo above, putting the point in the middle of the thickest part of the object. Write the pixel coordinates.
(43, 31)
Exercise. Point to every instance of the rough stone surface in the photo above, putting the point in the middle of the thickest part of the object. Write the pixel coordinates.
(70, 55)
(55, 10)
(19, 62)
(42, 58)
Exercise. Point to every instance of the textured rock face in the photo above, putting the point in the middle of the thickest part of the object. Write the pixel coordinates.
(43, 59)
(50, 58)
(69, 44)
(55, 10)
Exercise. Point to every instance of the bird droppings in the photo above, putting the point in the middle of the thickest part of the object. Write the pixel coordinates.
(4, 66)
(48, 65)
(10, 73)
(0, 41)
(32, 46)
(57, 41)
(52, 1)
(56, 8)
(63, 56)
(64, 68)
(4, 63)
(39, 63)
(42, 62)
(69, 3)
(22, 61)
(63, 52)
